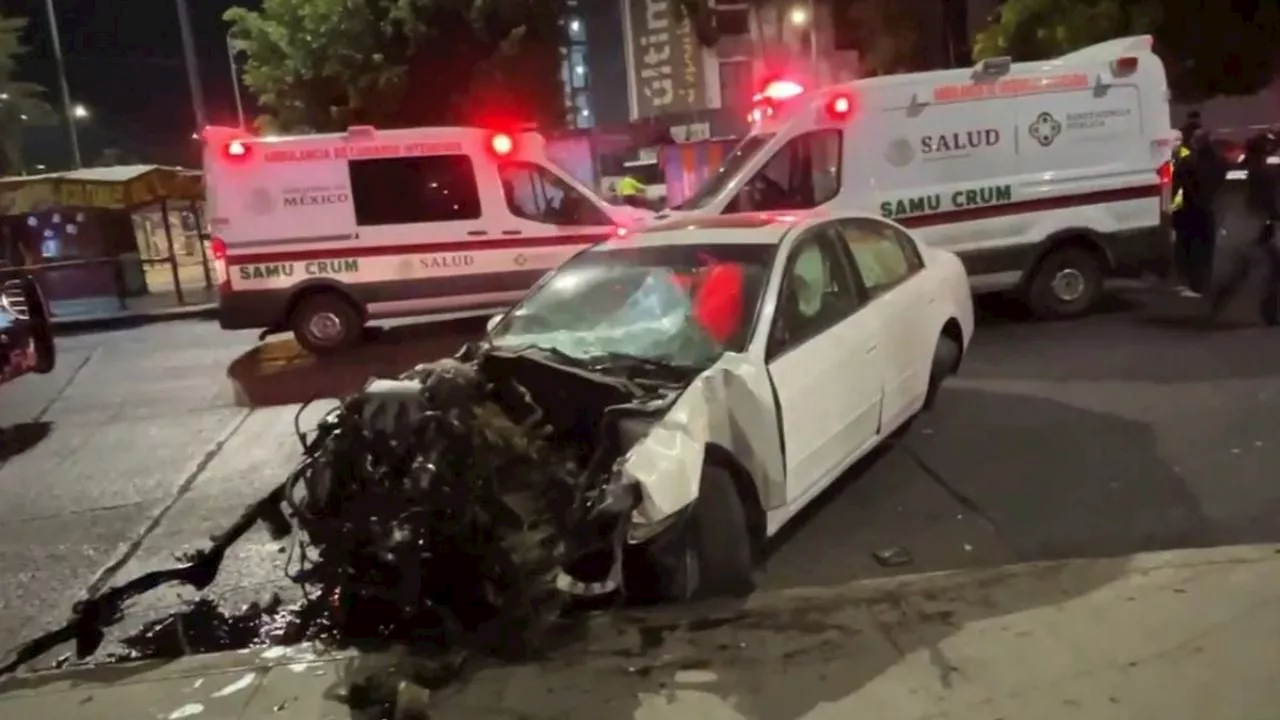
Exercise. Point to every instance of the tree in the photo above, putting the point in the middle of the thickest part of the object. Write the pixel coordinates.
(324, 65)
(1224, 47)
(21, 103)
(887, 39)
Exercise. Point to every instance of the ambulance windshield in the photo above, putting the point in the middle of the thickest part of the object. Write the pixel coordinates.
(729, 170)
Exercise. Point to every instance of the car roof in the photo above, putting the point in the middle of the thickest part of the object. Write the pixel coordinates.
(738, 228)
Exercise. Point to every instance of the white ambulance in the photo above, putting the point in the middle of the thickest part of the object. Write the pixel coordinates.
(320, 233)
(1044, 177)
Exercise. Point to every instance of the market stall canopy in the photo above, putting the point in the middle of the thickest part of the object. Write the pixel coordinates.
(125, 187)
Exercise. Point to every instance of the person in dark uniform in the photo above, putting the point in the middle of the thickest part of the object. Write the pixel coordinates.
(1181, 232)
(1262, 205)
(1197, 179)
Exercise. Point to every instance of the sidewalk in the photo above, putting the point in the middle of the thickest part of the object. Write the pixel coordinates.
(1183, 635)
(89, 315)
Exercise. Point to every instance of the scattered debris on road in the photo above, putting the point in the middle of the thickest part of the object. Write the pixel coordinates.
(438, 510)
(892, 557)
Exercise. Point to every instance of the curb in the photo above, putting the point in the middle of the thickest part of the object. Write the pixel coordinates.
(126, 320)
(871, 589)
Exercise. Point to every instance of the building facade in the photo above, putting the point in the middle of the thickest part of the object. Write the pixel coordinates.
(637, 65)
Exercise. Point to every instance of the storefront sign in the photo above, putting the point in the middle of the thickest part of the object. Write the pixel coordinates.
(665, 70)
(310, 268)
(447, 262)
(1011, 87)
(939, 202)
(20, 196)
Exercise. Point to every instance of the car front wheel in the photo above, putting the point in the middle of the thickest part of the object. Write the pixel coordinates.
(711, 556)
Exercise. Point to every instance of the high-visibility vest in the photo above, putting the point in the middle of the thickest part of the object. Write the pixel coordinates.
(1180, 154)
(629, 186)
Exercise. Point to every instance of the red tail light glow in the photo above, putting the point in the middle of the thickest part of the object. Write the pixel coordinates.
(237, 149)
(1166, 173)
(1124, 66)
(218, 248)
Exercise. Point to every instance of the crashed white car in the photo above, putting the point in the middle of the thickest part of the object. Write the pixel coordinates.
(770, 353)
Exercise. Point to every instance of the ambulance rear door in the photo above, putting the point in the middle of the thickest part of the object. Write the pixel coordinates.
(277, 206)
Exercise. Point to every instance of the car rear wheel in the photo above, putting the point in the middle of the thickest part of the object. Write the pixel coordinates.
(1066, 283)
(946, 358)
(326, 322)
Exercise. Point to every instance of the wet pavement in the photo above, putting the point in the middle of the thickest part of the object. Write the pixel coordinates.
(1105, 436)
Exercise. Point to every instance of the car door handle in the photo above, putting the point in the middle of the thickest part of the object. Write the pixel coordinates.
(478, 233)
(512, 232)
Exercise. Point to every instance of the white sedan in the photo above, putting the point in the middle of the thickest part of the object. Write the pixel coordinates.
(742, 363)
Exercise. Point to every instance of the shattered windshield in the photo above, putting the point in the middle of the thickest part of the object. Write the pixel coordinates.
(682, 305)
(733, 164)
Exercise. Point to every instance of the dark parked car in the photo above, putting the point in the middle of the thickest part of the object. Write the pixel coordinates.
(26, 336)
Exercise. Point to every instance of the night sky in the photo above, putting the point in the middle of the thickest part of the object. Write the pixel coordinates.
(124, 62)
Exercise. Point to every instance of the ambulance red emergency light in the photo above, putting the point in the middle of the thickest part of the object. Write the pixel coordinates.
(318, 234)
(1044, 177)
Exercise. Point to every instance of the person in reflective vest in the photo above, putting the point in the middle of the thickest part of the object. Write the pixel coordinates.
(1197, 178)
(631, 191)
(1181, 234)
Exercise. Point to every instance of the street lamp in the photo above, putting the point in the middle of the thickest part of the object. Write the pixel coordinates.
(189, 57)
(61, 64)
(232, 49)
(79, 112)
(803, 16)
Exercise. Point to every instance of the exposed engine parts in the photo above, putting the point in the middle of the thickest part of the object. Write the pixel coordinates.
(459, 500)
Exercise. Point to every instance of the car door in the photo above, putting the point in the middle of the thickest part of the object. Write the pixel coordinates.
(890, 267)
(823, 358)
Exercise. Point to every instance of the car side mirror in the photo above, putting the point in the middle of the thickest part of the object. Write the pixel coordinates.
(492, 322)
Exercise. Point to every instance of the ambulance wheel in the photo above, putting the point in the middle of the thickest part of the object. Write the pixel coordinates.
(1066, 283)
(326, 322)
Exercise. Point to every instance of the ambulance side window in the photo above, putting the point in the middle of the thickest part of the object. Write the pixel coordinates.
(410, 190)
(802, 174)
(535, 193)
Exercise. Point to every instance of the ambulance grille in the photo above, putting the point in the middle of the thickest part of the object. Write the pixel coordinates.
(15, 301)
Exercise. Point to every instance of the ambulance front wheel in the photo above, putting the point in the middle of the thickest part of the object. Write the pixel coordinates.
(1066, 283)
(326, 322)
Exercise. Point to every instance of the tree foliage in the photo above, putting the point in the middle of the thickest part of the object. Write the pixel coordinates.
(887, 36)
(1226, 47)
(324, 65)
(22, 104)
(885, 29)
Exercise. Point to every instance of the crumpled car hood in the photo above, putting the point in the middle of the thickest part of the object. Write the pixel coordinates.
(729, 405)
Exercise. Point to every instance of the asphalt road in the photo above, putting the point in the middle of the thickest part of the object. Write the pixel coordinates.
(1122, 432)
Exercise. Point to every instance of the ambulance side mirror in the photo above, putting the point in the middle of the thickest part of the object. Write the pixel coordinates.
(492, 322)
